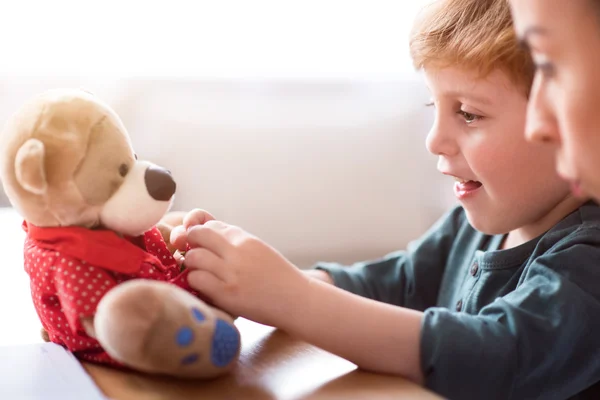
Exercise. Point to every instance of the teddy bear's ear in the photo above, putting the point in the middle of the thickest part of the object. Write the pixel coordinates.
(29, 167)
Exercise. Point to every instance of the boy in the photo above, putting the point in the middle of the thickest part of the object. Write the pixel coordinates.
(499, 299)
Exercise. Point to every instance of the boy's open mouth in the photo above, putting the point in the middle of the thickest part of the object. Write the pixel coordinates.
(464, 188)
(467, 185)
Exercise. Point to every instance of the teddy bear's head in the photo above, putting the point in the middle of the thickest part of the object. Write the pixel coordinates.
(66, 159)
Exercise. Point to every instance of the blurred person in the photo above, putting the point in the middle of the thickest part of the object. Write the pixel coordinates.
(564, 40)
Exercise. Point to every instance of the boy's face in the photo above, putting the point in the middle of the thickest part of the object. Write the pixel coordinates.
(503, 182)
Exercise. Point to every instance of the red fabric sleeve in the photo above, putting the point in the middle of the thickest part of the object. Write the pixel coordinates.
(80, 287)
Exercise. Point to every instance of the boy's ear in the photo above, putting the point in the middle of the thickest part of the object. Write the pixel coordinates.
(29, 167)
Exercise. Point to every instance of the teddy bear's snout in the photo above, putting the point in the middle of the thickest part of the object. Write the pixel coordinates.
(159, 183)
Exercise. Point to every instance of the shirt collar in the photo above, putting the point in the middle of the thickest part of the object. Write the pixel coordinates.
(101, 247)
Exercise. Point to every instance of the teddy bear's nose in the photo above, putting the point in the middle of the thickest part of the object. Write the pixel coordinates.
(159, 183)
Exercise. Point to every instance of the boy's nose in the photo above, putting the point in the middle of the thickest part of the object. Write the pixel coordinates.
(440, 143)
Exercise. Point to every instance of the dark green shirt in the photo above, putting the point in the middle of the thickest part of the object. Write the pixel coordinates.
(521, 323)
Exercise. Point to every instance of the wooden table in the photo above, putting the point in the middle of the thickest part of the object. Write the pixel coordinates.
(272, 366)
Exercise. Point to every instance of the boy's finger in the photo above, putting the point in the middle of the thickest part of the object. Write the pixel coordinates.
(197, 217)
(207, 284)
(179, 238)
(173, 218)
(208, 238)
(218, 225)
(200, 259)
(166, 231)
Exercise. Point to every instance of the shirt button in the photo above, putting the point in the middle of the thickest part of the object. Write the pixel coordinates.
(474, 268)
(459, 305)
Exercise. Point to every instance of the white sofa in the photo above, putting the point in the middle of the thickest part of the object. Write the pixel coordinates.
(322, 170)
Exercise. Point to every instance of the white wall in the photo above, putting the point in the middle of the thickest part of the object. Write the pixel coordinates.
(303, 122)
(320, 169)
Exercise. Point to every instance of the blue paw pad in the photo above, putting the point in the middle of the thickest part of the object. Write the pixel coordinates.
(225, 344)
(198, 315)
(190, 359)
(184, 337)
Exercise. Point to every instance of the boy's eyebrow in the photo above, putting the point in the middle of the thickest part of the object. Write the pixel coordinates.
(477, 98)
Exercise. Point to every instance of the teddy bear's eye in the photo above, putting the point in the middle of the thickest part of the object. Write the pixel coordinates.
(123, 170)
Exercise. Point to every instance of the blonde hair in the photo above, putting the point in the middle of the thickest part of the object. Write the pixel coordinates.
(472, 34)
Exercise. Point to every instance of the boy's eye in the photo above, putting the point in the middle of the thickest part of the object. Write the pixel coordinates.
(469, 117)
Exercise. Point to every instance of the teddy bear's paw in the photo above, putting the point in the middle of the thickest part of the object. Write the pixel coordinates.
(225, 341)
(163, 329)
(226, 344)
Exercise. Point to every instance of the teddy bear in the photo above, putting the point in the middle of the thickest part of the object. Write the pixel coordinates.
(104, 280)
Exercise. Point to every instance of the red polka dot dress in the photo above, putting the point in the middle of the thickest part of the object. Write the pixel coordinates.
(71, 268)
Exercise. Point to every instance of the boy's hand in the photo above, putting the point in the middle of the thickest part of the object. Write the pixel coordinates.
(166, 225)
(242, 274)
(178, 234)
